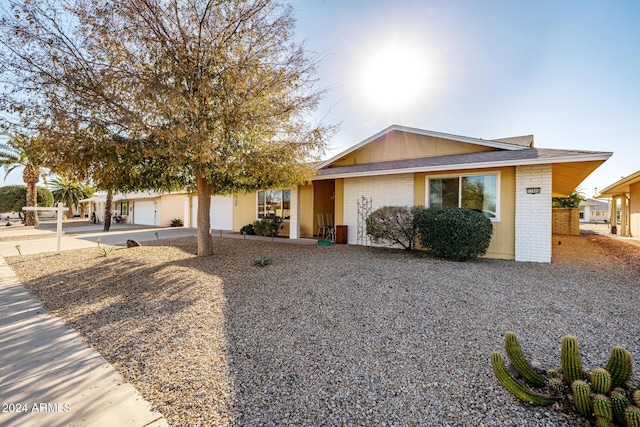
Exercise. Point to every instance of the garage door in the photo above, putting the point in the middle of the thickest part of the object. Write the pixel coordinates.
(144, 213)
(221, 212)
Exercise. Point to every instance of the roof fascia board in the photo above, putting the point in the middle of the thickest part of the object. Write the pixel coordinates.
(454, 167)
(627, 180)
(458, 138)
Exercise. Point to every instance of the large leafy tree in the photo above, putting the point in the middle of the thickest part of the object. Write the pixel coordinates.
(216, 92)
(13, 199)
(19, 153)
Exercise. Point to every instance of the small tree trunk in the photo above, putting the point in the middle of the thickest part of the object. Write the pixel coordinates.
(30, 176)
(107, 211)
(205, 245)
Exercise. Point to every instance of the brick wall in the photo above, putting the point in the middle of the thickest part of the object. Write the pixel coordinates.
(566, 221)
(387, 190)
(533, 214)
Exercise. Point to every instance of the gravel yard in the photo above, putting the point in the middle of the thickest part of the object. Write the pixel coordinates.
(338, 335)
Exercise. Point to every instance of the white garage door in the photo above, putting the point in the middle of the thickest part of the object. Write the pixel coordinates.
(144, 213)
(221, 212)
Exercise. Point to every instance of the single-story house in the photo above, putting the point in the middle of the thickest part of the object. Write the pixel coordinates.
(508, 179)
(592, 210)
(625, 198)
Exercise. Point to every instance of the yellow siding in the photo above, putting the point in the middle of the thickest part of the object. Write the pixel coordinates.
(245, 209)
(305, 193)
(504, 232)
(401, 146)
(172, 206)
(339, 201)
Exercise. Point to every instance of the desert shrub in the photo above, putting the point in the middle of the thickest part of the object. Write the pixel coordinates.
(247, 229)
(393, 225)
(177, 222)
(262, 261)
(269, 225)
(455, 233)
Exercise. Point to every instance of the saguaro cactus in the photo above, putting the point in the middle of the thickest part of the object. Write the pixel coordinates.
(619, 366)
(514, 351)
(514, 386)
(582, 398)
(570, 359)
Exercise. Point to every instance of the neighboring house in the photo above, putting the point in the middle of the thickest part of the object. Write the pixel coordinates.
(508, 179)
(159, 209)
(625, 199)
(592, 210)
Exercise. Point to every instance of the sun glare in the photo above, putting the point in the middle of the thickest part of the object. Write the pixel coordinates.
(394, 77)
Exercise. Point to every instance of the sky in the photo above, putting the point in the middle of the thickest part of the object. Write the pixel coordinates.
(567, 72)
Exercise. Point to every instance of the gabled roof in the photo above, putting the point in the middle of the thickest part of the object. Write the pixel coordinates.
(621, 186)
(525, 140)
(500, 144)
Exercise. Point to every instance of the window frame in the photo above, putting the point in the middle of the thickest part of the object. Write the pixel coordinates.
(460, 176)
(282, 191)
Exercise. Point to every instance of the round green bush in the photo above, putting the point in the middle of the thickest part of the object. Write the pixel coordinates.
(454, 233)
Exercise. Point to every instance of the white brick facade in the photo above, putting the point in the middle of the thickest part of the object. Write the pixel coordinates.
(533, 214)
(386, 190)
(294, 219)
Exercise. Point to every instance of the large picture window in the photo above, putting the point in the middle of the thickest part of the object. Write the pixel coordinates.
(275, 202)
(476, 192)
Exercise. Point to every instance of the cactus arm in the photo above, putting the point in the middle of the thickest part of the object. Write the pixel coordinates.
(603, 411)
(582, 398)
(514, 352)
(514, 386)
(633, 416)
(570, 359)
(619, 366)
(619, 403)
(601, 381)
(636, 397)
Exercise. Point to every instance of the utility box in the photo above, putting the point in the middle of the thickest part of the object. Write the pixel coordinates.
(341, 234)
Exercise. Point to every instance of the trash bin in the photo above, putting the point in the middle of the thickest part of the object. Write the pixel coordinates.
(341, 234)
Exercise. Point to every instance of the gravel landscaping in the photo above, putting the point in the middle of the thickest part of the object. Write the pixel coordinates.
(338, 335)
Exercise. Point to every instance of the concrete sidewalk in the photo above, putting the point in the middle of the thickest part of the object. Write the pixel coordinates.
(49, 376)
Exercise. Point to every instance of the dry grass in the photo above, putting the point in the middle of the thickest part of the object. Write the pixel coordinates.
(218, 341)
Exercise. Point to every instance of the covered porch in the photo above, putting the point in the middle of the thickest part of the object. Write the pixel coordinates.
(625, 199)
(320, 207)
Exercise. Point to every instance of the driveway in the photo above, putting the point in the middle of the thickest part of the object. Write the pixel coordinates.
(77, 236)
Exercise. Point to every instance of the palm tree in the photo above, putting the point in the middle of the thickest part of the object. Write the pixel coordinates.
(70, 193)
(15, 154)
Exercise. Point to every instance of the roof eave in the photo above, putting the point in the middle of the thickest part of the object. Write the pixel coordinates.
(485, 165)
(619, 187)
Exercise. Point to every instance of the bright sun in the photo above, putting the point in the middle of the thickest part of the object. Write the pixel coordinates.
(394, 77)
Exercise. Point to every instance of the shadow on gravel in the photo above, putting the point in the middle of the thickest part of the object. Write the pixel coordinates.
(331, 335)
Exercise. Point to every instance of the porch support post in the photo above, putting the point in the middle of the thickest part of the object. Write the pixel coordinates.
(623, 215)
(614, 208)
(294, 220)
